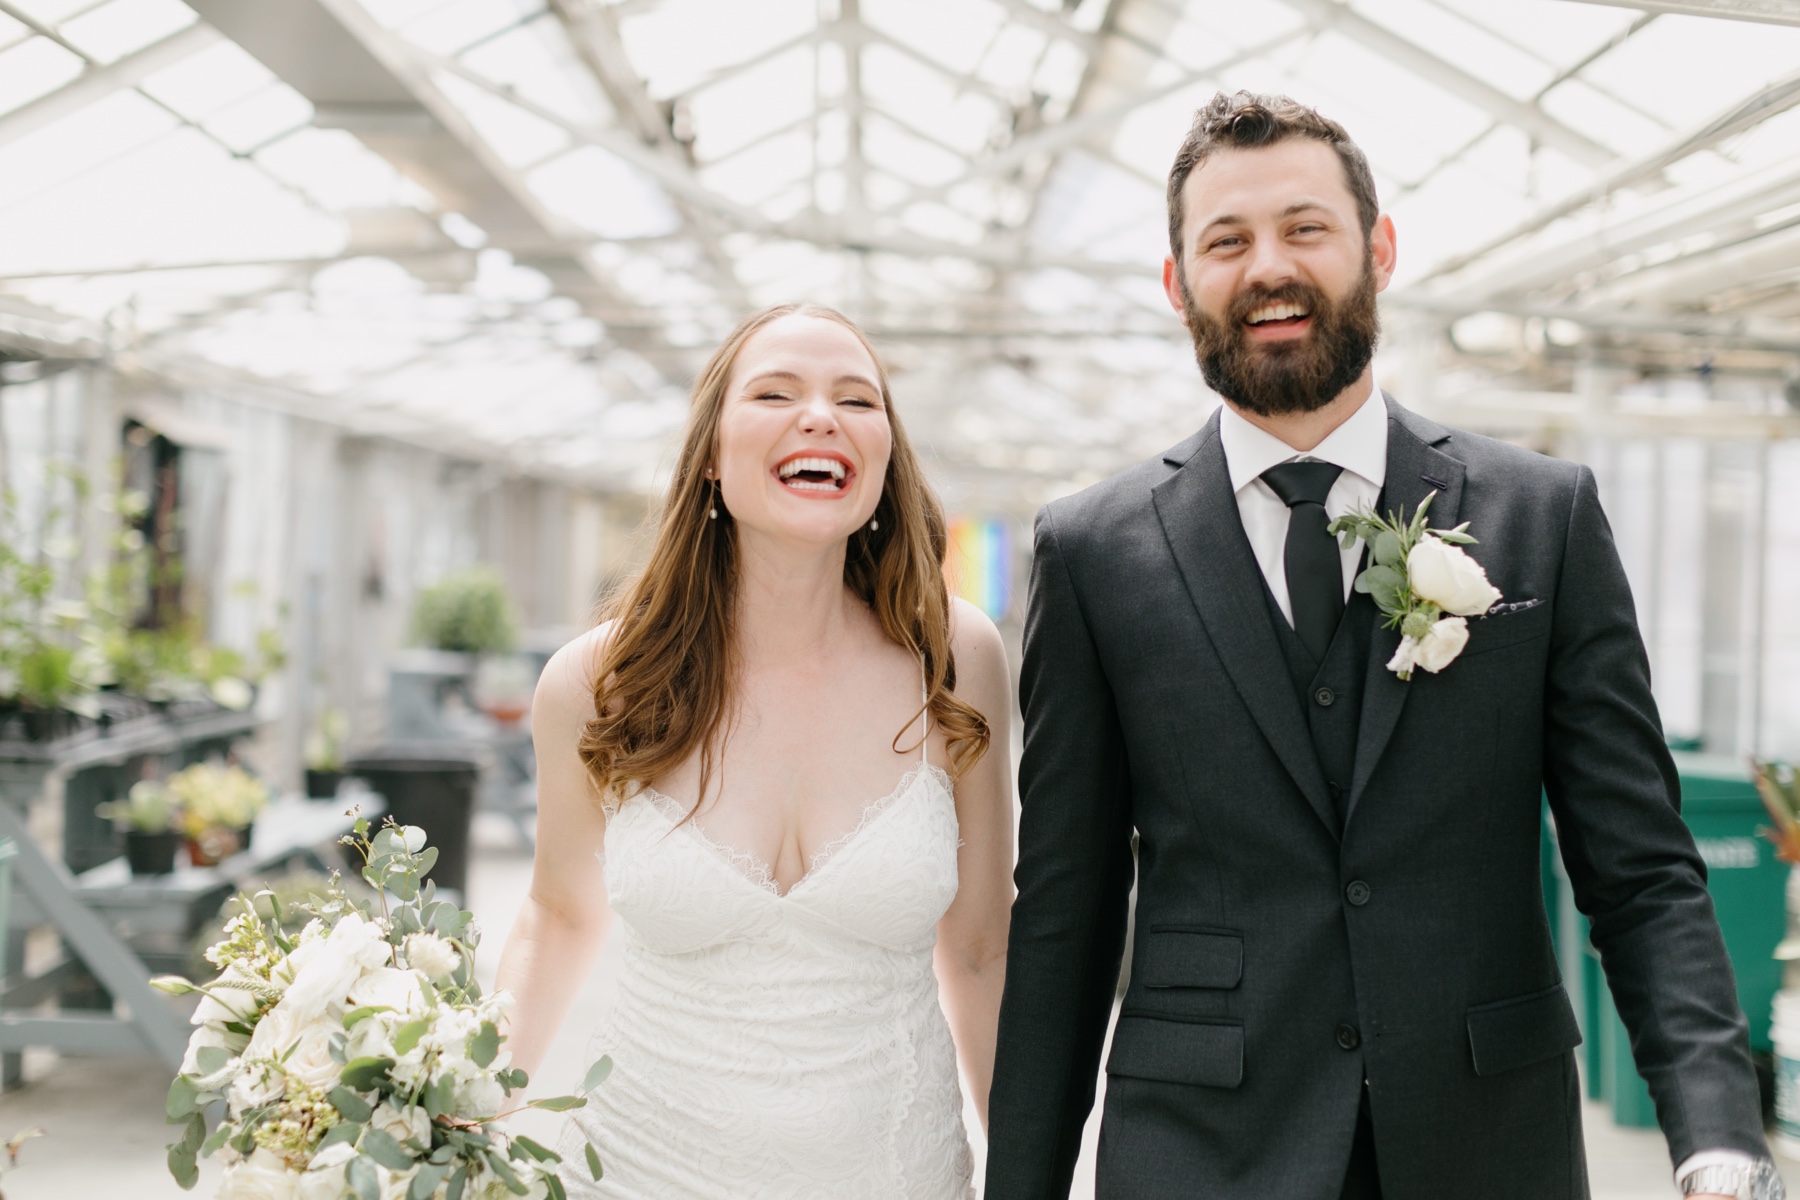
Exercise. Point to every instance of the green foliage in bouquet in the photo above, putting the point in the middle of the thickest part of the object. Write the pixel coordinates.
(359, 1057)
(467, 611)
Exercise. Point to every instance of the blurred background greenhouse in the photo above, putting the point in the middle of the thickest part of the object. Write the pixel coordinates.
(342, 345)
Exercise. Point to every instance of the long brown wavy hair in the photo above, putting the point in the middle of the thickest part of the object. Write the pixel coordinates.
(663, 685)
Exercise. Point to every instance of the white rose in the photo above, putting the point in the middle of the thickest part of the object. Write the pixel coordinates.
(1449, 578)
(402, 1123)
(311, 1060)
(327, 969)
(209, 1036)
(1435, 651)
(480, 1098)
(324, 1178)
(388, 987)
(431, 955)
(262, 1176)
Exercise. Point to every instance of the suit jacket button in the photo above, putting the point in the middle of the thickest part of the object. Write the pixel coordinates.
(1324, 697)
(1357, 893)
(1348, 1038)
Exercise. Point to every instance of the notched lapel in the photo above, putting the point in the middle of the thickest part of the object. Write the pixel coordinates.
(1416, 467)
(1200, 519)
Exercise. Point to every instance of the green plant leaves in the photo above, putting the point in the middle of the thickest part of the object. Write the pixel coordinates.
(350, 1106)
(367, 1074)
(593, 1160)
(380, 1145)
(183, 1156)
(557, 1103)
(484, 1047)
(363, 1180)
(596, 1075)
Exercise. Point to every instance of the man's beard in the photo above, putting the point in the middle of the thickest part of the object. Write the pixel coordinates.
(1276, 378)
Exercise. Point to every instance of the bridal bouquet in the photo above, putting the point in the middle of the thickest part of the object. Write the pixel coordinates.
(357, 1058)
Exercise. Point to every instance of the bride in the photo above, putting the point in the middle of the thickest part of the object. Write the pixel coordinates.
(708, 765)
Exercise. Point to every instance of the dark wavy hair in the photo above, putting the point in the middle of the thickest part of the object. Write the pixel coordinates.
(1246, 121)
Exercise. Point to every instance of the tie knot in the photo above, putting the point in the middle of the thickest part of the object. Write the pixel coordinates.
(1302, 482)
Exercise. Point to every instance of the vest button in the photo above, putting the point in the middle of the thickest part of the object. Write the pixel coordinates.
(1348, 1038)
(1324, 697)
(1357, 893)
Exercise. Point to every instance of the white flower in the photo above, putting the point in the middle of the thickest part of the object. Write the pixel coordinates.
(1450, 579)
(431, 955)
(388, 987)
(324, 1178)
(223, 1002)
(410, 1122)
(311, 1060)
(262, 1176)
(208, 1036)
(1435, 651)
(324, 971)
(479, 1098)
(232, 692)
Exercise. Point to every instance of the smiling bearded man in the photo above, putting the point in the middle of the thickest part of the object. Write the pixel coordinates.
(1342, 982)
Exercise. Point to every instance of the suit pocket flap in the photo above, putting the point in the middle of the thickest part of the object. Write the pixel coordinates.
(1192, 958)
(1522, 1030)
(1509, 628)
(1206, 1055)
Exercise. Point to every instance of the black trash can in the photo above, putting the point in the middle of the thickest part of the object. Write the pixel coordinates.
(431, 785)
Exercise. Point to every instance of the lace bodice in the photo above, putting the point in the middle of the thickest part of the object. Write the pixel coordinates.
(779, 1045)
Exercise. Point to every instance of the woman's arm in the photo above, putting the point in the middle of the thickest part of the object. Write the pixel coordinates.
(557, 935)
(971, 946)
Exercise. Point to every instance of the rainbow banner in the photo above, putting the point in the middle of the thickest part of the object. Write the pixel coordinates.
(979, 565)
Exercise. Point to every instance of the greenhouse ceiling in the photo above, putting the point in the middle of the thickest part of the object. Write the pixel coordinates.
(514, 227)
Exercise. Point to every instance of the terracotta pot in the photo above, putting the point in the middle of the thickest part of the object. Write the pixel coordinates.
(212, 845)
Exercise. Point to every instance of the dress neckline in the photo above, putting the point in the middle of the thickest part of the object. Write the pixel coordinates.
(758, 873)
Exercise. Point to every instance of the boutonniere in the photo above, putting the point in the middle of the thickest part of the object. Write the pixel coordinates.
(1423, 581)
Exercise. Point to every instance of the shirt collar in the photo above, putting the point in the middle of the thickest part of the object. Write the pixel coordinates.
(1358, 445)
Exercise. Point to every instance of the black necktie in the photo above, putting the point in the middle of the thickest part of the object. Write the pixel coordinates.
(1315, 571)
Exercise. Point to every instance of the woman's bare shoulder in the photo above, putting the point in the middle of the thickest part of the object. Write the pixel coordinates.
(980, 653)
(565, 690)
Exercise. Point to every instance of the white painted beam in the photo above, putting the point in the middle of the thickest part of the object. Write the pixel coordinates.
(97, 83)
(1769, 12)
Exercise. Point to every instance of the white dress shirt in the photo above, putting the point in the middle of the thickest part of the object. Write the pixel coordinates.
(1359, 446)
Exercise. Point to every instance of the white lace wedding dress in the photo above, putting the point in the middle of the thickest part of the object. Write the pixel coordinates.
(779, 1045)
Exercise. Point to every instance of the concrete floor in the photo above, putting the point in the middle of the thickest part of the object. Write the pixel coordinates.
(106, 1133)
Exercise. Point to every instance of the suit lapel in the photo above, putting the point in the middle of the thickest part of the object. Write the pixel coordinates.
(1416, 467)
(1200, 519)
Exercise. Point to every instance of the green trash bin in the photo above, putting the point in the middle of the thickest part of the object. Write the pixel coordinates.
(1749, 890)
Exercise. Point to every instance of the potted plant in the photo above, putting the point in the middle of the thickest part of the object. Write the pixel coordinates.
(467, 612)
(219, 803)
(151, 822)
(325, 754)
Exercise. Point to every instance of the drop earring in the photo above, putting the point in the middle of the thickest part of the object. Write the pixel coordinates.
(874, 524)
(712, 508)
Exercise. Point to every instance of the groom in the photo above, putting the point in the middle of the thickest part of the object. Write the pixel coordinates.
(1342, 981)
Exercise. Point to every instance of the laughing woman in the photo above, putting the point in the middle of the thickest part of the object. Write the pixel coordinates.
(782, 761)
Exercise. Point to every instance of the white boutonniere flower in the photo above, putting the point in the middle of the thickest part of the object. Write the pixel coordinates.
(1423, 581)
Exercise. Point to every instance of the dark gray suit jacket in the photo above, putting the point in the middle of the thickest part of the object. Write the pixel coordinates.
(1277, 965)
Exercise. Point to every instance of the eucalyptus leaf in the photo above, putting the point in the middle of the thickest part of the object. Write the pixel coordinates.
(484, 1047)
(211, 1058)
(350, 1106)
(367, 1074)
(211, 1145)
(439, 1097)
(410, 1033)
(183, 1099)
(343, 1131)
(362, 1178)
(425, 1181)
(557, 1103)
(593, 1160)
(357, 1015)
(380, 1145)
(183, 1165)
(1387, 549)
(427, 859)
(536, 1150)
(458, 1180)
(553, 1188)
(597, 1074)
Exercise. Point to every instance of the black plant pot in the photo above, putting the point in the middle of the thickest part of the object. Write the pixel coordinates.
(151, 853)
(322, 785)
(431, 785)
